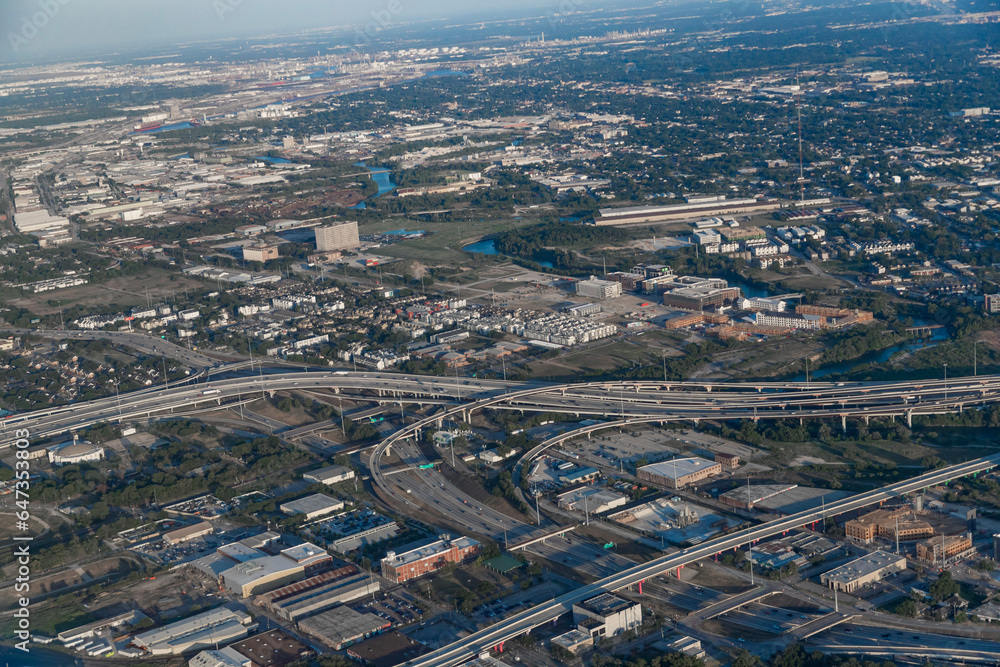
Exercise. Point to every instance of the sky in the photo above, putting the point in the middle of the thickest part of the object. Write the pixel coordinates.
(43, 29)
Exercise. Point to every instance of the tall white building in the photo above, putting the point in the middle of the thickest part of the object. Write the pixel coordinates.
(342, 236)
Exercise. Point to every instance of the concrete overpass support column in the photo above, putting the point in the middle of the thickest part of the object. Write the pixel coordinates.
(388, 450)
(708, 388)
(843, 423)
(909, 418)
(440, 422)
(336, 390)
(866, 420)
(640, 586)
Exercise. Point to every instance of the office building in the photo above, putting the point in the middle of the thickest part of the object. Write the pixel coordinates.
(678, 473)
(992, 303)
(595, 288)
(886, 524)
(429, 558)
(701, 297)
(342, 236)
(945, 549)
(607, 615)
(260, 253)
(863, 571)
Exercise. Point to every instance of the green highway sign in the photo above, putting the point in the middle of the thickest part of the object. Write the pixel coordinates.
(426, 466)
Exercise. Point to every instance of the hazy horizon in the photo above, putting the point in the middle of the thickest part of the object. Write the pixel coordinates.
(37, 30)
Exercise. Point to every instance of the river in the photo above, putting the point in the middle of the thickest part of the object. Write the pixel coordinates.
(489, 247)
(878, 356)
(382, 178)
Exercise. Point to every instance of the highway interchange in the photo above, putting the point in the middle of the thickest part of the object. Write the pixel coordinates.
(630, 400)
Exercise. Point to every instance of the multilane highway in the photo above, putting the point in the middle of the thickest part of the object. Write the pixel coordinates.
(508, 629)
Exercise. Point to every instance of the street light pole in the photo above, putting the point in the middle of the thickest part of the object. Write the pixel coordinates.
(946, 382)
(975, 358)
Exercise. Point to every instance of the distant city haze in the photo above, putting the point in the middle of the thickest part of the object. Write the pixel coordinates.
(46, 29)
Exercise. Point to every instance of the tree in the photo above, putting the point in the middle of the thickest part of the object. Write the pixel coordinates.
(944, 587)
(907, 608)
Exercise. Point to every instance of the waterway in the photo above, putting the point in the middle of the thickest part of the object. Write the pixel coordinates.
(488, 247)
(167, 128)
(382, 178)
(878, 356)
(272, 160)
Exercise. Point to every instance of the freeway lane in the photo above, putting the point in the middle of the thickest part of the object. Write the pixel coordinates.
(487, 639)
(634, 399)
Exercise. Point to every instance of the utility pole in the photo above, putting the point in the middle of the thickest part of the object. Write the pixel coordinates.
(975, 358)
(897, 534)
(946, 382)
(665, 366)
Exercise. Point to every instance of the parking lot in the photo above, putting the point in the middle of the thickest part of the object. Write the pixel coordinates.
(392, 608)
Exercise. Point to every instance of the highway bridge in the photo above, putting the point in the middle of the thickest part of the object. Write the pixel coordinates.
(506, 630)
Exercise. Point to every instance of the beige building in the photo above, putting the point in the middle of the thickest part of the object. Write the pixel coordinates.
(945, 549)
(678, 473)
(886, 523)
(260, 253)
(863, 571)
(341, 236)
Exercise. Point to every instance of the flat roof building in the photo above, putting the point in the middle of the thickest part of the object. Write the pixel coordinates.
(274, 648)
(202, 630)
(342, 236)
(678, 473)
(260, 253)
(188, 533)
(607, 615)
(341, 627)
(387, 650)
(745, 497)
(573, 641)
(429, 558)
(316, 505)
(885, 523)
(591, 500)
(265, 573)
(319, 593)
(863, 571)
(329, 475)
(945, 549)
(596, 288)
